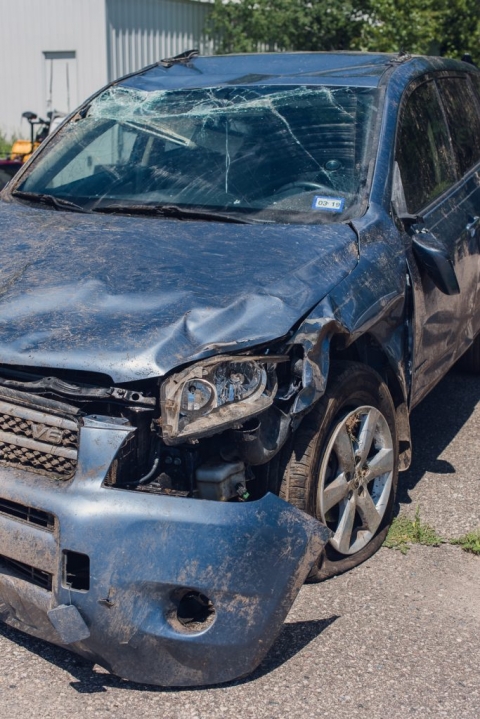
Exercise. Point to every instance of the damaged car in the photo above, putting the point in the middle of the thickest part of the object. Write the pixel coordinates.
(225, 283)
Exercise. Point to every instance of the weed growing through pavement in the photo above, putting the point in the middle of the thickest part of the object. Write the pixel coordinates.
(470, 542)
(404, 532)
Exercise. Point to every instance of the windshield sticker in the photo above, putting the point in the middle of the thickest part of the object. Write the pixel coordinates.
(328, 204)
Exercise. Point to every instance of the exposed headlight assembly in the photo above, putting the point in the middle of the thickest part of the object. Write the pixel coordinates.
(216, 393)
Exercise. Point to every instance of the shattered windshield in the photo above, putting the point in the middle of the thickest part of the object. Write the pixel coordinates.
(273, 154)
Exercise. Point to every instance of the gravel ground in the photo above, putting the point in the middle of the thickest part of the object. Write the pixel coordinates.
(398, 637)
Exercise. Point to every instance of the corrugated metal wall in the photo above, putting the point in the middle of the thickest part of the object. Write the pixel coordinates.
(82, 44)
(142, 32)
(32, 32)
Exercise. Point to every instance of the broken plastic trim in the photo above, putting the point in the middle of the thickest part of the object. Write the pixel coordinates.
(33, 384)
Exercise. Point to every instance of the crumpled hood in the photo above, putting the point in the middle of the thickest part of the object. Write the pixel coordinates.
(134, 297)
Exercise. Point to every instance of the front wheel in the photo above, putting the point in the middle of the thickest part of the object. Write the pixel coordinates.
(342, 466)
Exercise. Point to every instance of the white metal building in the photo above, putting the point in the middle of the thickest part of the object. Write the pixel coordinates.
(55, 53)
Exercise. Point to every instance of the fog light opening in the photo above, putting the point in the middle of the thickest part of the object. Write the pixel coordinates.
(195, 612)
(76, 571)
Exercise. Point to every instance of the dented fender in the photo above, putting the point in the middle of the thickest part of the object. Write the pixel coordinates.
(371, 299)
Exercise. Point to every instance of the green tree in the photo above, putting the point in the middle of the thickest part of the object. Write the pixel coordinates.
(459, 29)
(436, 27)
(253, 25)
(447, 27)
(410, 25)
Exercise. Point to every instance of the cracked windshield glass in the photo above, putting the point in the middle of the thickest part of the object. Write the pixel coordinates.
(269, 154)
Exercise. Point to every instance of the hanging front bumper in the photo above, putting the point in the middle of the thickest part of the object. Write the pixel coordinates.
(143, 553)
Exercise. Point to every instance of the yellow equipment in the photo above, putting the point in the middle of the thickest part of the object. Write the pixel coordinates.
(22, 150)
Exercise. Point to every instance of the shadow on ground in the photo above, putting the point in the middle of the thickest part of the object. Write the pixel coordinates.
(434, 424)
(292, 639)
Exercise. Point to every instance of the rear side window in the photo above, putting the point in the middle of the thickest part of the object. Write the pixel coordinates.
(423, 149)
(463, 120)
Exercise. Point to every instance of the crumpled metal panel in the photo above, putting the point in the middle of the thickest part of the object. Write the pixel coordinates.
(371, 299)
(135, 297)
(249, 559)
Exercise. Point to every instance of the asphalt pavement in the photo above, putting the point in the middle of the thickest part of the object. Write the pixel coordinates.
(398, 637)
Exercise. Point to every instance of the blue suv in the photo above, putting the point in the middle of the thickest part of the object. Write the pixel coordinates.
(225, 283)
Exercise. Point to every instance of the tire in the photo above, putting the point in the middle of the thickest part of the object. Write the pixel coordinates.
(470, 361)
(330, 469)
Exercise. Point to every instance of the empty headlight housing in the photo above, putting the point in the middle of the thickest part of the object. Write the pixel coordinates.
(214, 394)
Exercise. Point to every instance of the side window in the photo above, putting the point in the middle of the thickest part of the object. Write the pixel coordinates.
(423, 149)
(463, 120)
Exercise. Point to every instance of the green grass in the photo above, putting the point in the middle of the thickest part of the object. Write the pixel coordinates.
(404, 532)
(470, 542)
(5, 144)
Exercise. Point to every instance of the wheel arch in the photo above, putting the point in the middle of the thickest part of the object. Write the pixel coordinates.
(352, 385)
(368, 350)
(332, 344)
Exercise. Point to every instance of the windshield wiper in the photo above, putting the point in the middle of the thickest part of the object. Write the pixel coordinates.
(58, 202)
(179, 213)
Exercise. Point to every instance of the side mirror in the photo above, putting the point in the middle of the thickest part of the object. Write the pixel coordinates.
(429, 252)
(432, 255)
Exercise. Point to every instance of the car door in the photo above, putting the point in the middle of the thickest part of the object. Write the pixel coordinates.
(462, 110)
(434, 191)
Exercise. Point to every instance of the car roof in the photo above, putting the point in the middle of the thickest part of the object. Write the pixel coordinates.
(360, 69)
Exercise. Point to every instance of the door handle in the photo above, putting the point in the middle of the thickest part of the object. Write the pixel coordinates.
(471, 226)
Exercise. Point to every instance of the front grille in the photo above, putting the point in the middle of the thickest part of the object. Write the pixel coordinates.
(27, 572)
(37, 441)
(19, 426)
(30, 515)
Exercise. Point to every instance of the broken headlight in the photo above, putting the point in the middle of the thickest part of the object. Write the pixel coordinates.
(214, 394)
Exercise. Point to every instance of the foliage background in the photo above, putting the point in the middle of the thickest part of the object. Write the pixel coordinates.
(5, 144)
(436, 27)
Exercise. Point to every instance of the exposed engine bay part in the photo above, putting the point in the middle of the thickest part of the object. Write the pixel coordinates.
(151, 474)
(259, 439)
(221, 481)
